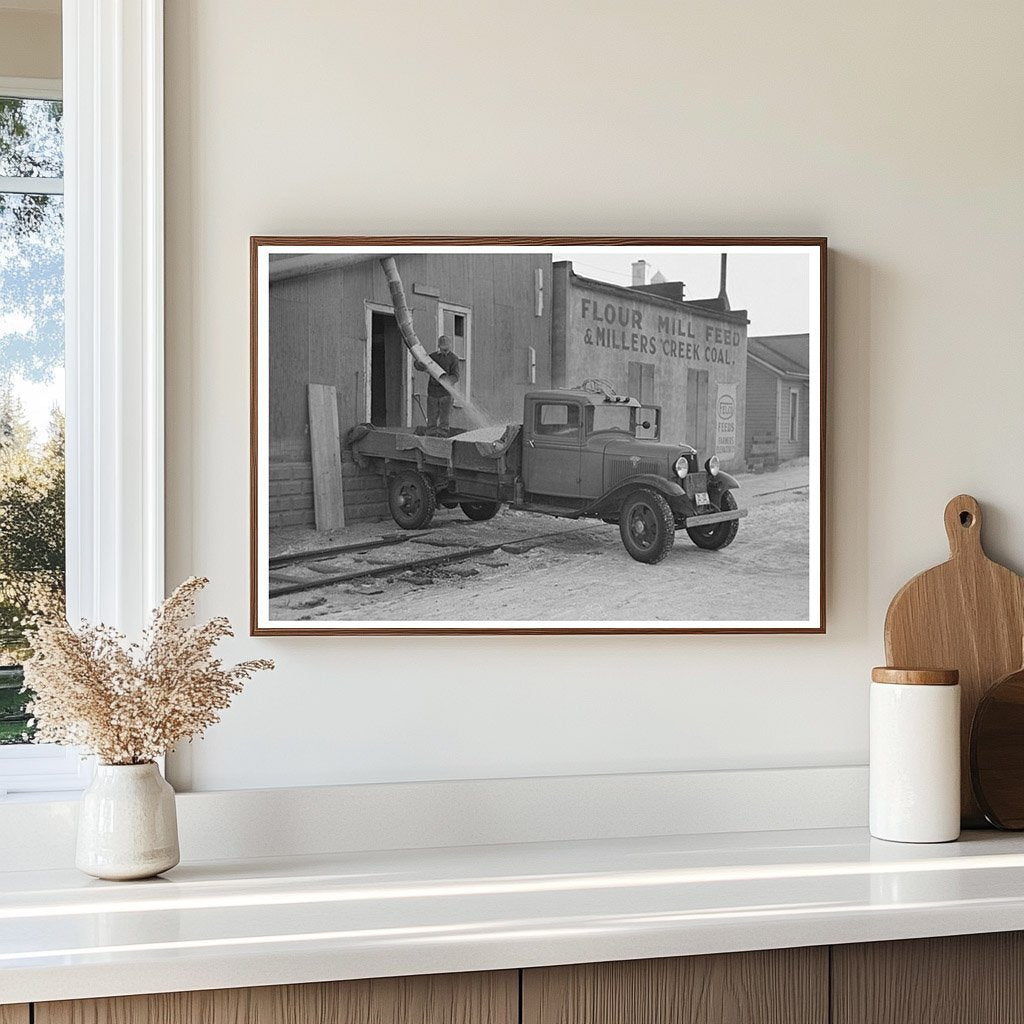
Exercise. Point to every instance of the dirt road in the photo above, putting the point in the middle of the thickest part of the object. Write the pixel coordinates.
(581, 572)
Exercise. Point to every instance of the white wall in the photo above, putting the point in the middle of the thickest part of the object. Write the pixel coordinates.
(30, 41)
(895, 129)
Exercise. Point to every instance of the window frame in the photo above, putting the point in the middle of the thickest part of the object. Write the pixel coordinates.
(37, 767)
(571, 435)
(112, 89)
(794, 415)
(466, 312)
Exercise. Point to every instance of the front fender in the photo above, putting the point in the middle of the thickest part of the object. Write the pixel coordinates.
(723, 482)
(617, 494)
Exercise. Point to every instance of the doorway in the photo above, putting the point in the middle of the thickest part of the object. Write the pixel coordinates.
(385, 371)
(697, 410)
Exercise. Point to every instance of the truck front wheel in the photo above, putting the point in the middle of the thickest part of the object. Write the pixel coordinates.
(411, 499)
(646, 526)
(717, 535)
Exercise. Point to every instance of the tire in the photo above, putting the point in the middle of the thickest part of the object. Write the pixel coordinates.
(411, 499)
(717, 535)
(646, 526)
(480, 511)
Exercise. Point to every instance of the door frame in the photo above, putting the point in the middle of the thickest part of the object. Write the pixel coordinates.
(369, 308)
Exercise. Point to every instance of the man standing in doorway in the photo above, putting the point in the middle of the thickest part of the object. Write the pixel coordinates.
(439, 399)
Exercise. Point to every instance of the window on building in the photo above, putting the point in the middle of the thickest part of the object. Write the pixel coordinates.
(454, 321)
(794, 414)
(31, 390)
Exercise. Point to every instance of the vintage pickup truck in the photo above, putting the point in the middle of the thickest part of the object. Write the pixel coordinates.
(580, 453)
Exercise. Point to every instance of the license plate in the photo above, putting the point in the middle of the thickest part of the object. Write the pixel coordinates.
(701, 498)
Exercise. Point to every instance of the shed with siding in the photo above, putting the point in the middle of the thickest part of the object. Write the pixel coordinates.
(778, 398)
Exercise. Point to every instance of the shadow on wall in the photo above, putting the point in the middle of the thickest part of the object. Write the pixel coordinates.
(852, 288)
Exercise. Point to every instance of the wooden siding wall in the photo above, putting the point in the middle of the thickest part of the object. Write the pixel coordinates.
(762, 401)
(318, 335)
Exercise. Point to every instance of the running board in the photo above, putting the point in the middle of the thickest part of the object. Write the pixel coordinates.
(715, 517)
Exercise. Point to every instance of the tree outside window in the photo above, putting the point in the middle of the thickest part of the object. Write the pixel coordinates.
(31, 386)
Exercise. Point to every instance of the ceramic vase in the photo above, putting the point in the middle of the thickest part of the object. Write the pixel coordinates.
(127, 825)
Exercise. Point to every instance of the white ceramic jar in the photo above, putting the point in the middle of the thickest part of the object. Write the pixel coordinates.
(127, 823)
(915, 755)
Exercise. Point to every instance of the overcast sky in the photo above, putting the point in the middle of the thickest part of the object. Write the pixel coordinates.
(773, 287)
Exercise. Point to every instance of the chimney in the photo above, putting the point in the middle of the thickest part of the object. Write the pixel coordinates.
(639, 273)
(722, 296)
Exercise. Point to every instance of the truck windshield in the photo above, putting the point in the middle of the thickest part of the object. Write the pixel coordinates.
(610, 417)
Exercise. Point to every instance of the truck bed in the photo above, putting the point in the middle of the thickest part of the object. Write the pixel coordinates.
(398, 444)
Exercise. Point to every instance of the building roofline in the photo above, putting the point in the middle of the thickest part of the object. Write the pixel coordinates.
(777, 370)
(736, 316)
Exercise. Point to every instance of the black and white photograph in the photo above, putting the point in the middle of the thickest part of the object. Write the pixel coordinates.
(537, 435)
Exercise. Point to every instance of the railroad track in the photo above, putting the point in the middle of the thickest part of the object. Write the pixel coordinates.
(448, 558)
(357, 546)
(782, 490)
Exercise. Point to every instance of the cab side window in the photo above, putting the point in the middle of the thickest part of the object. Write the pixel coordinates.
(557, 419)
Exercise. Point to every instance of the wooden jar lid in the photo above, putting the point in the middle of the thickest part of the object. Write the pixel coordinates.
(916, 676)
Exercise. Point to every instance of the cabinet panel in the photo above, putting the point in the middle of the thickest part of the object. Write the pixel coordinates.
(962, 979)
(14, 1014)
(483, 998)
(778, 986)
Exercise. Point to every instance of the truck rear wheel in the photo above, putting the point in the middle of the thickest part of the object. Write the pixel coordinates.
(717, 535)
(647, 527)
(411, 499)
(480, 511)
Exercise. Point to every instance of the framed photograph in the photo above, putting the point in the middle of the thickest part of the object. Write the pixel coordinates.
(537, 435)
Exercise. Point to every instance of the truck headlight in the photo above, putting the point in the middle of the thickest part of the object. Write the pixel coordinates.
(681, 467)
(712, 465)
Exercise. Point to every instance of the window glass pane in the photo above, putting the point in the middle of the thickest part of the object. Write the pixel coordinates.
(31, 138)
(553, 415)
(31, 431)
(563, 420)
(613, 417)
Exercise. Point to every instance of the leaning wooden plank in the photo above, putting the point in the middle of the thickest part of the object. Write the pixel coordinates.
(325, 442)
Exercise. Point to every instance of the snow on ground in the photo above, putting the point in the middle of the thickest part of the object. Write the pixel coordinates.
(580, 571)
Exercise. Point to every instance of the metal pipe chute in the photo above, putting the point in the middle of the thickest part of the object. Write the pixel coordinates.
(404, 317)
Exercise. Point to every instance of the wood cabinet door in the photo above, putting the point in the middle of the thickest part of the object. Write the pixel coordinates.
(482, 998)
(777, 986)
(960, 979)
(14, 1014)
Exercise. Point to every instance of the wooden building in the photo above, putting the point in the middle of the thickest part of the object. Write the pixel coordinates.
(778, 398)
(332, 322)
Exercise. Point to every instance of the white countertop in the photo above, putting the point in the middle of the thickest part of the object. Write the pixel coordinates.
(351, 915)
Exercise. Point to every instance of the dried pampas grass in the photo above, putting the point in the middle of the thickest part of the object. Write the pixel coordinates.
(130, 703)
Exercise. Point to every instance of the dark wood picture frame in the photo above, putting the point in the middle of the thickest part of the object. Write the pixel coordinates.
(400, 242)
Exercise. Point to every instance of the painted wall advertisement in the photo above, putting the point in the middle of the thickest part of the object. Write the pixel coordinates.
(725, 422)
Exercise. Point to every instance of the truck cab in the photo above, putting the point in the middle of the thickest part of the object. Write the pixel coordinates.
(591, 452)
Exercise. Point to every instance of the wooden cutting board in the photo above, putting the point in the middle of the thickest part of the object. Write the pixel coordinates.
(967, 614)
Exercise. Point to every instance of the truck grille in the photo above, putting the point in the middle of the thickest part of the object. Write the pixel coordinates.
(696, 483)
(620, 469)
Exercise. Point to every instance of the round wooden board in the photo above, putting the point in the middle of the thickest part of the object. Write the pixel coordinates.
(997, 752)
